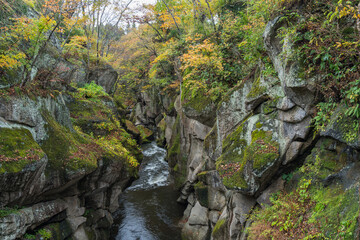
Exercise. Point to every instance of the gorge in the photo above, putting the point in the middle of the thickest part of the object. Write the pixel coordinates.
(221, 120)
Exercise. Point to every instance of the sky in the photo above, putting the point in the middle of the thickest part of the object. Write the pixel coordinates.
(140, 2)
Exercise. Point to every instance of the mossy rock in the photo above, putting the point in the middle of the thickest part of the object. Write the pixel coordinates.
(18, 149)
(145, 134)
(219, 229)
(241, 163)
(230, 164)
(132, 128)
(201, 107)
(342, 128)
(67, 150)
(60, 230)
(86, 113)
(229, 93)
(336, 211)
(262, 150)
(269, 106)
(256, 89)
(161, 127)
(174, 149)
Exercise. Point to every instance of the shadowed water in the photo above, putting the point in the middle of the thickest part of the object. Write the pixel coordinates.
(148, 209)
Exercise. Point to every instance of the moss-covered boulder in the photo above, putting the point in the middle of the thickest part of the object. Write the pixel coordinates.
(21, 164)
(131, 128)
(146, 134)
(201, 106)
(343, 128)
(249, 156)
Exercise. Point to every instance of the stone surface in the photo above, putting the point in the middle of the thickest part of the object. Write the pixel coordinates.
(105, 76)
(27, 113)
(198, 215)
(17, 187)
(285, 104)
(295, 115)
(15, 225)
(264, 198)
(196, 232)
(292, 152)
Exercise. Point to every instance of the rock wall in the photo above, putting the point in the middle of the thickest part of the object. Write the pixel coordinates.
(229, 156)
(54, 178)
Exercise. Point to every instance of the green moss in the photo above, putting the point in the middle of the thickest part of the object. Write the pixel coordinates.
(219, 225)
(174, 150)
(198, 102)
(269, 106)
(145, 133)
(162, 125)
(236, 154)
(344, 126)
(322, 162)
(67, 150)
(262, 150)
(89, 110)
(131, 127)
(256, 89)
(17, 149)
(336, 211)
(231, 163)
(7, 211)
(236, 180)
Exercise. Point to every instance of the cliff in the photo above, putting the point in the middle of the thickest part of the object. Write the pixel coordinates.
(251, 160)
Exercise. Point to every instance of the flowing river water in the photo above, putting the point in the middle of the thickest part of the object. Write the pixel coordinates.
(148, 208)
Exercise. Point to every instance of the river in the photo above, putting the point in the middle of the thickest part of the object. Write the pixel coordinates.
(148, 208)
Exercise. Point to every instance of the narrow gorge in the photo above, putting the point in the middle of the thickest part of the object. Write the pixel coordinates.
(204, 120)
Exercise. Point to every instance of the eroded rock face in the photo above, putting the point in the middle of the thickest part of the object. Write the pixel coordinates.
(105, 77)
(261, 127)
(15, 225)
(27, 113)
(44, 178)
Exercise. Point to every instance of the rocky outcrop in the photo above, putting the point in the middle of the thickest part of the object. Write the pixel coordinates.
(54, 177)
